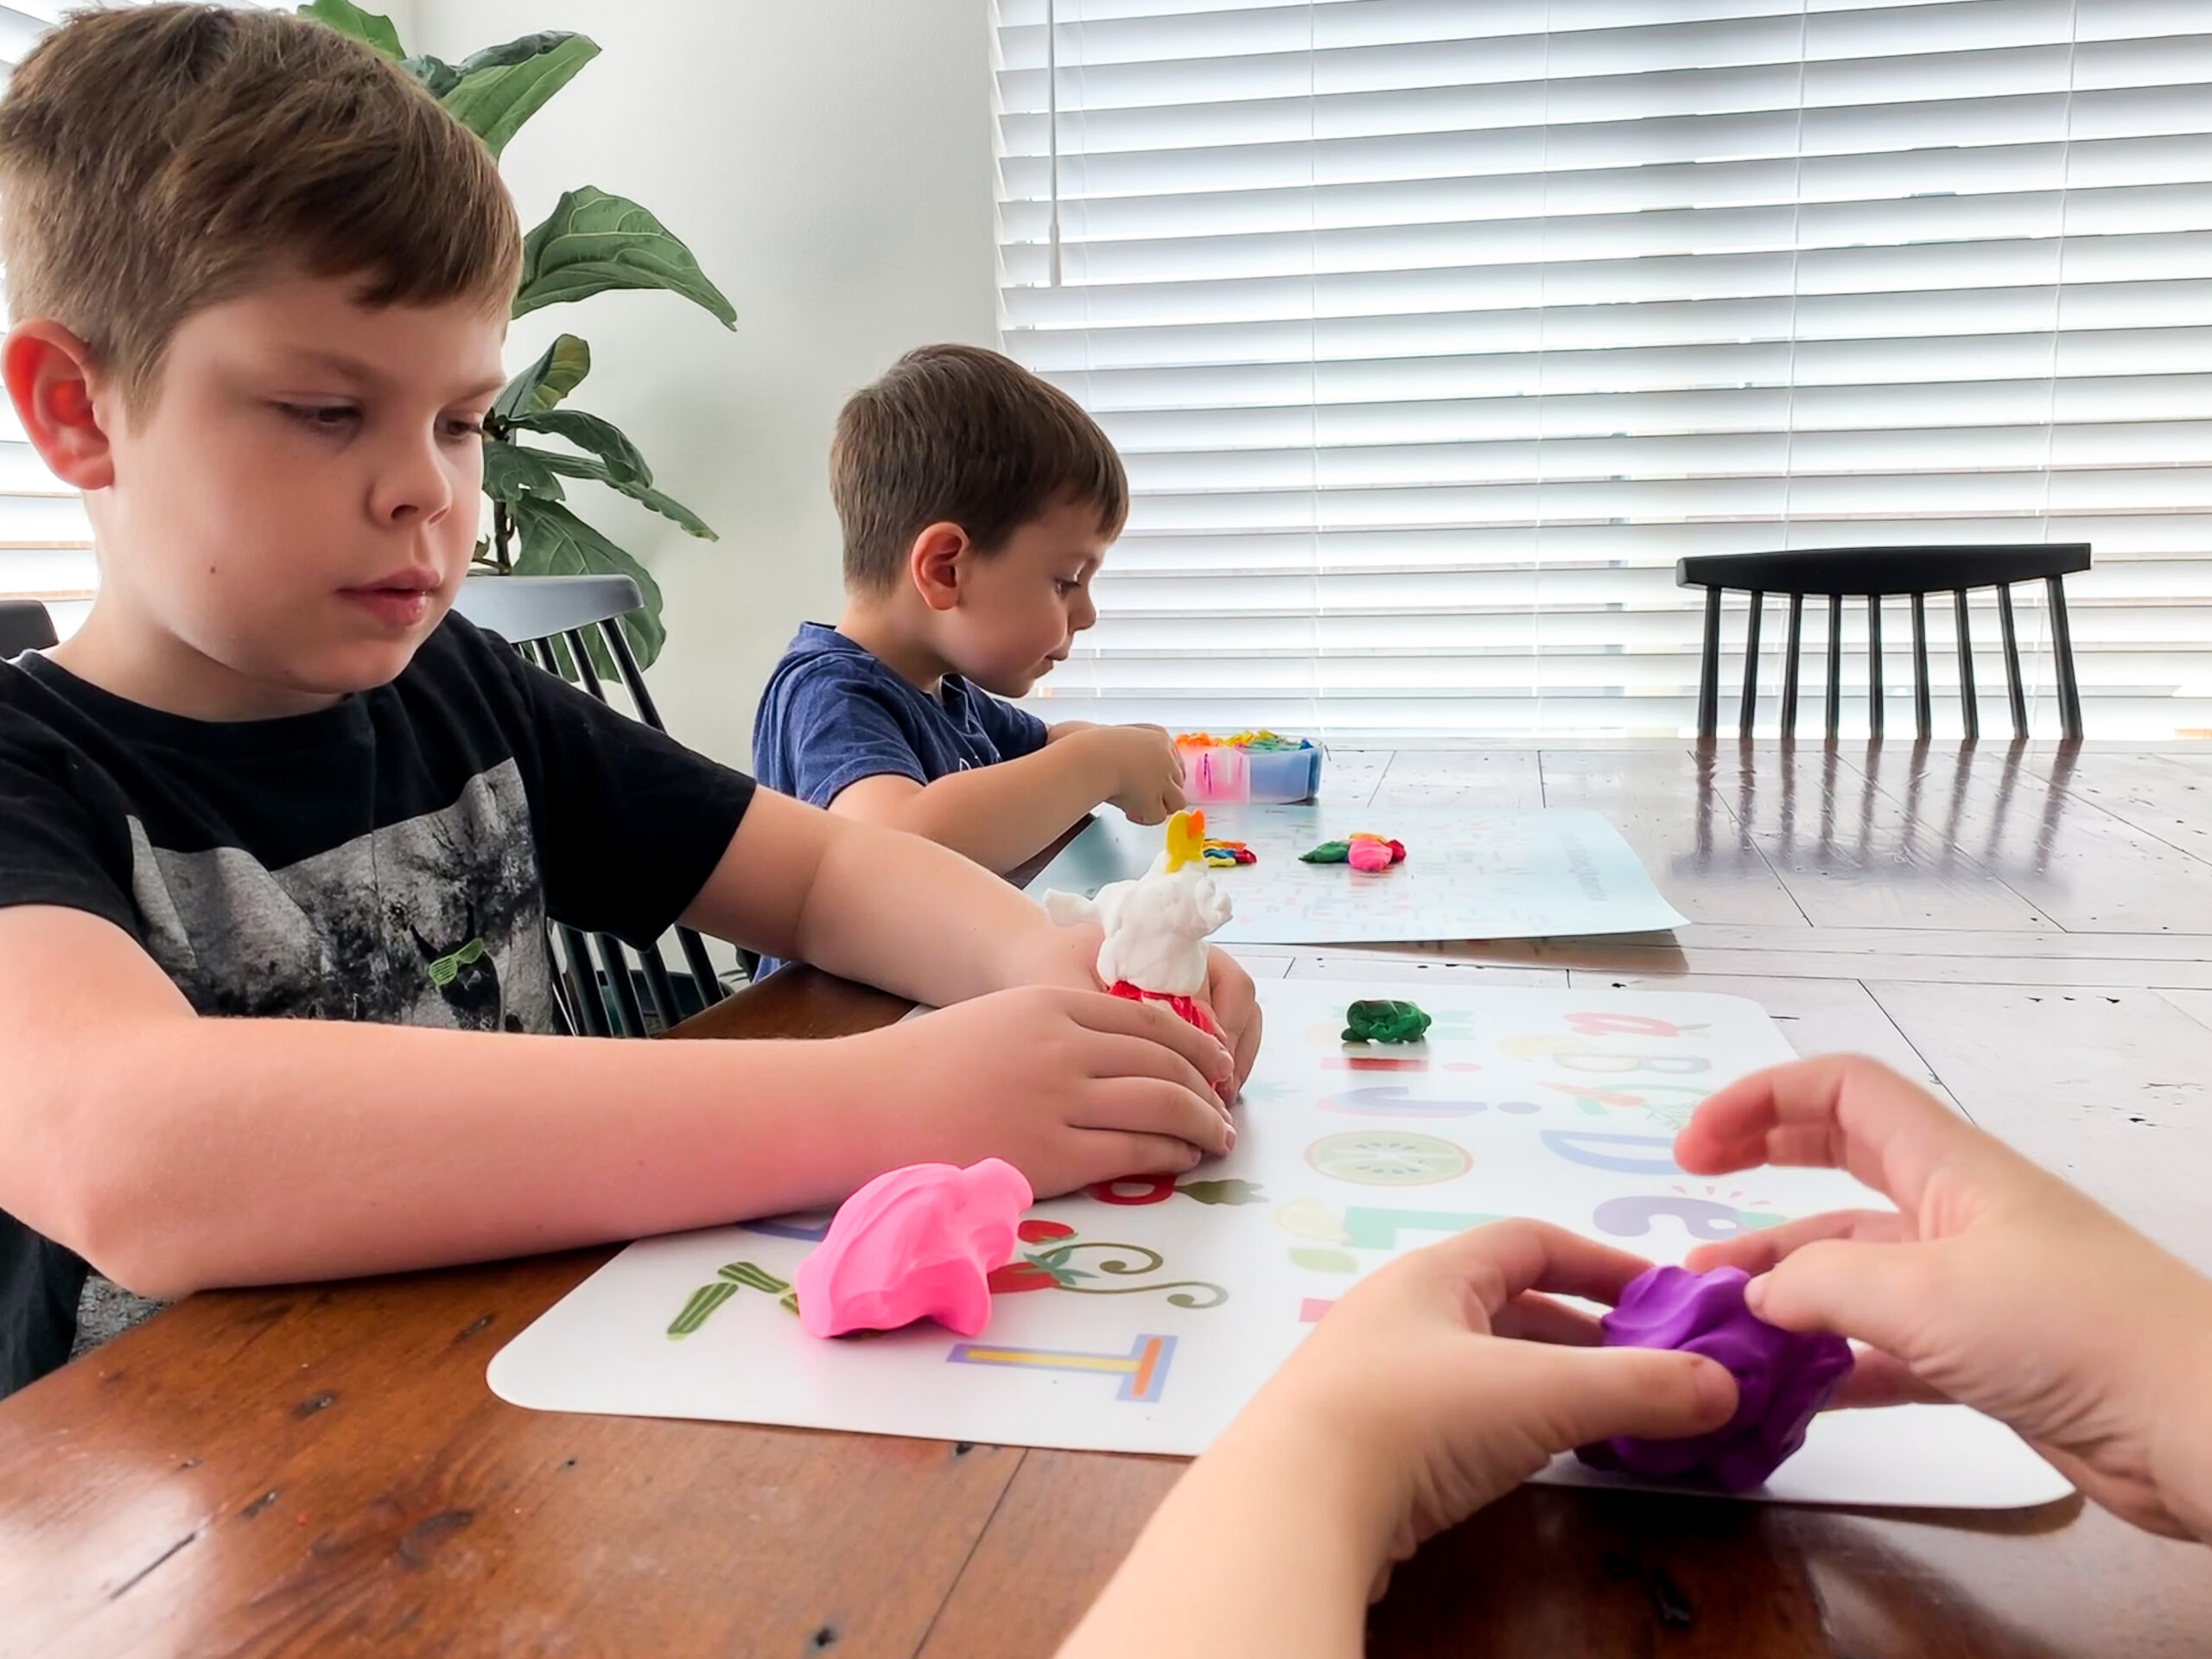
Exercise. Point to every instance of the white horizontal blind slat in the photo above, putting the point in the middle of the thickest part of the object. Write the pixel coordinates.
(46, 541)
(46, 544)
(1433, 335)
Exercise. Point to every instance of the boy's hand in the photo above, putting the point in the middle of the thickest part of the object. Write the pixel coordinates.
(1230, 998)
(1070, 1087)
(1995, 1284)
(1145, 772)
(1447, 1380)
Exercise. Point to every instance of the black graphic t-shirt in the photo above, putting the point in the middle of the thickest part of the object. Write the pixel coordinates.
(393, 858)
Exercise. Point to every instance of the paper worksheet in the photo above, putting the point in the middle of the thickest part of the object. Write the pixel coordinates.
(1141, 1315)
(1558, 872)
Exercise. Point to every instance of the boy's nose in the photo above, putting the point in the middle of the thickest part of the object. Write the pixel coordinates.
(413, 485)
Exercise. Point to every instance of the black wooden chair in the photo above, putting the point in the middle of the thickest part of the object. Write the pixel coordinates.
(24, 626)
(533, 613)
(1877, 573)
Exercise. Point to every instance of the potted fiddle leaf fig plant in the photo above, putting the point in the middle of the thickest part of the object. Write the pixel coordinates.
(592, 241)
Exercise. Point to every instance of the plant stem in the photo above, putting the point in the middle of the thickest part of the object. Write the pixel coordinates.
(502, 528)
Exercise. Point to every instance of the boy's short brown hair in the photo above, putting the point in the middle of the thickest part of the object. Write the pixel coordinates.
(958, 435)
(158, 161)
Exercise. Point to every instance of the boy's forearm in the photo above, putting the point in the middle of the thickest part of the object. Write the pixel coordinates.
(1268, 1547)
(917, 919)
(201, 1152)
(1001, 815)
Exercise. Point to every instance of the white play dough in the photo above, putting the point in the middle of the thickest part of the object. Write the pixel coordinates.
(1156, 926)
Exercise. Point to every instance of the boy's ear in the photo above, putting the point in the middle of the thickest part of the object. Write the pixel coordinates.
(934, 564)
(48, 371)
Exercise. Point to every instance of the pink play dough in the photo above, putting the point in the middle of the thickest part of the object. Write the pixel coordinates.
(1369, 856)
(914, 1244)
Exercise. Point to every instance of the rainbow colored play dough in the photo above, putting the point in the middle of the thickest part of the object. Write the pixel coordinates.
(1783, 1378)
(914, 1244)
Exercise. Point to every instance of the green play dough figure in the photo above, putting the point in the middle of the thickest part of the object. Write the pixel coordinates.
(1329, 852)
(1384, 1022)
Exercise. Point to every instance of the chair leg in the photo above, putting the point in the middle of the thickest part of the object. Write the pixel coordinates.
(2012, 686)
(1968, 713)
(703, 969)
(1747, 713)
(583, 982)
(1835, 665)
(1924, 717)
(1789, 721)
(1708, 671)
(632, 676)
(587, 676)
(2062, 652)
(617, 982)
(1876, 700)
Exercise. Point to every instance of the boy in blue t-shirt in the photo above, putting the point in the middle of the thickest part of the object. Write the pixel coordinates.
(976, 502)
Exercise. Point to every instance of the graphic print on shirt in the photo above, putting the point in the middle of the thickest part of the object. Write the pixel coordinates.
(438, 920)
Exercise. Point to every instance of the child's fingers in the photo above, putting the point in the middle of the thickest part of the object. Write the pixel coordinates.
(1501, 1260)
(1879, 1294)
(1110, 1154)
(1109, 1056)
(1119, 1016)
(1533, 1317)
(1651, 1393)
(1754, 1252)
(1880, 1379)
(1155, 1106)
(1839, 1111)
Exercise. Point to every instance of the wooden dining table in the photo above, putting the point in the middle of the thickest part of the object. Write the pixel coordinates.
(322, 1469)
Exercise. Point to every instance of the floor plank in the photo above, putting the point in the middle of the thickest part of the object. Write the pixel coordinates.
(2158, 793)
(1660, 955)
(1349, 776)
(1498, 780)
(2078, 864)
(1065, 1521)
(1852, 855)
(2197, 1005)
(2108, 1086)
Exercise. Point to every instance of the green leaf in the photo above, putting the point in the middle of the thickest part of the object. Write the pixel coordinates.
(592, 241)
(436, 73)
(512, 473)
(556, 542)
(644, 495)
(349, 19)
(547, 381)
(502, 86)
(602, 438)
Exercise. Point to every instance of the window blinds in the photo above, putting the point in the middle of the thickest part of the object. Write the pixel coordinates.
(1434, 332)
(46, 546)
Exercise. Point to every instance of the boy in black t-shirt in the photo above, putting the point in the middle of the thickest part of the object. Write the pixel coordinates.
(261, 281)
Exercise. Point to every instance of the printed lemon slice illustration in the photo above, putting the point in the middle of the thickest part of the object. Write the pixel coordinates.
(1388, 1158)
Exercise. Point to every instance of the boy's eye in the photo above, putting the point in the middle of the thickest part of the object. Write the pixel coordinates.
(460, 427)
(1064, 586)
(322, 417)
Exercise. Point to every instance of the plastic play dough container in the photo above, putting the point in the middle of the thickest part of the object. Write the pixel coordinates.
(1249, 766)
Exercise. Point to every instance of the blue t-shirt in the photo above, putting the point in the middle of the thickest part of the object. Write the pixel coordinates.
(833, 713)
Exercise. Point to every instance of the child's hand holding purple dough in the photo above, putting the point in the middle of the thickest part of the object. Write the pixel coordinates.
(1994, 1283)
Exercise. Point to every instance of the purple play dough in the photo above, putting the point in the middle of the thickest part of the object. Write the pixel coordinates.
(1783, 1379)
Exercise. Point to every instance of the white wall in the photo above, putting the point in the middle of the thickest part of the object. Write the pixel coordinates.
(831, 163)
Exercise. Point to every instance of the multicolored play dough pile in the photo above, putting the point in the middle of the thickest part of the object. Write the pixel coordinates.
(1259, 765)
